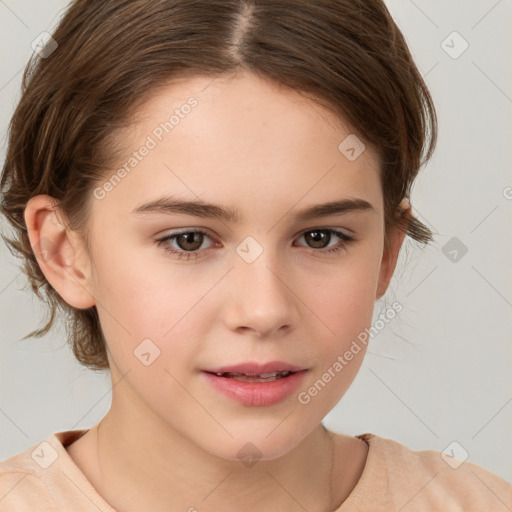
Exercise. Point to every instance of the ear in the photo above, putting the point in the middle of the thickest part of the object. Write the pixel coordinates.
(392, 249)
(59, 251)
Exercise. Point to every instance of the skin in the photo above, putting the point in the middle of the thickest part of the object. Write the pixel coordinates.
(268, 152)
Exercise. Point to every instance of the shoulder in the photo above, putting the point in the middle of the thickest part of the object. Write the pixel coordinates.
(428, 480)
(21, 486)
(28, 480)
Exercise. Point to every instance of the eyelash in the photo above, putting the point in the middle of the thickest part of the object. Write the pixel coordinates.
(180, 254)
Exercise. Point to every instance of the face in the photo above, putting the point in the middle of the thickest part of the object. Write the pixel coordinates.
(181, 290)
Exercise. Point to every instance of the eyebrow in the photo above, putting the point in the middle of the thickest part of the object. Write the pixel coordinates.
(171, 205)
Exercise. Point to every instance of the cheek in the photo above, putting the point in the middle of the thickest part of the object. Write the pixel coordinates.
(135, 289)
(345, 305)
(140, 300)
(345, 298)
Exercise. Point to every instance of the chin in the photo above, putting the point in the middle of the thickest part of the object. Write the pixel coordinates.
(257, 443)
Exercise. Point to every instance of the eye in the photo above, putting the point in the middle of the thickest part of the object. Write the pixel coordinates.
(321, 238)
(190, 244)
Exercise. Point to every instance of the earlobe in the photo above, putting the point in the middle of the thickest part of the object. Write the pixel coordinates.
(392, 249)
(59, 251)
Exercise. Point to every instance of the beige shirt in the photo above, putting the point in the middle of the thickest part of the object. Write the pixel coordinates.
(395, 478)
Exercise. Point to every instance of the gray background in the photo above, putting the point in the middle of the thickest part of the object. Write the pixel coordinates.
(440, 371)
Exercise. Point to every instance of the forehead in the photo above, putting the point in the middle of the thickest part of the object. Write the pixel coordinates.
(231, 139)
(243, 106)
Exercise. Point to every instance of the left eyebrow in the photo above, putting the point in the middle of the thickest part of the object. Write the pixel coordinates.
(334, 208)
(171, 205)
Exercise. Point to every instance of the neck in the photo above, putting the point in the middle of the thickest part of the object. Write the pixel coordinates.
(172, 473)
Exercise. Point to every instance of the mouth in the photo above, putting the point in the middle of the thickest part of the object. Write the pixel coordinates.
(254, 385)
(263, 377)
(256, 372)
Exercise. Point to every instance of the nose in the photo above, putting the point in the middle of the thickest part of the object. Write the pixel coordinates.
(260, 297)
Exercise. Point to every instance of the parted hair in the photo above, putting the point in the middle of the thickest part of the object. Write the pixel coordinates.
(348, 55)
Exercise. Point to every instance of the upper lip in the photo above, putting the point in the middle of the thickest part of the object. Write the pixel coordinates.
(254, 368)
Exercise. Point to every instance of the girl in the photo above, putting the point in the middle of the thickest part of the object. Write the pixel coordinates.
(215, 193)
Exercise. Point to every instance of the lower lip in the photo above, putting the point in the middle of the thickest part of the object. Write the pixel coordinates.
(257, 394)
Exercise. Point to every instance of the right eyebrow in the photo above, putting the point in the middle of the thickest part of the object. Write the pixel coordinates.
(198, 208)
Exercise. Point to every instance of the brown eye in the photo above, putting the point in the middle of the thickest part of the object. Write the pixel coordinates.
(190, 241)
(186, 244)
(326, 240)
(318, 239)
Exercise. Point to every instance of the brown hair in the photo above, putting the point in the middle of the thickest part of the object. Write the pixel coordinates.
(348, 55)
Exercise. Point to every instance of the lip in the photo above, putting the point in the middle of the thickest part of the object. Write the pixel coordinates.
(254, 368)
(256, 394)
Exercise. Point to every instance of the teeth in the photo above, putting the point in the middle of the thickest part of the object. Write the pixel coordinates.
(243, 376)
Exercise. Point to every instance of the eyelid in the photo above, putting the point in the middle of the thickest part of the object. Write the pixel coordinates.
(182, 231)
(344, 240)
(204, 231)
(344, 231)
